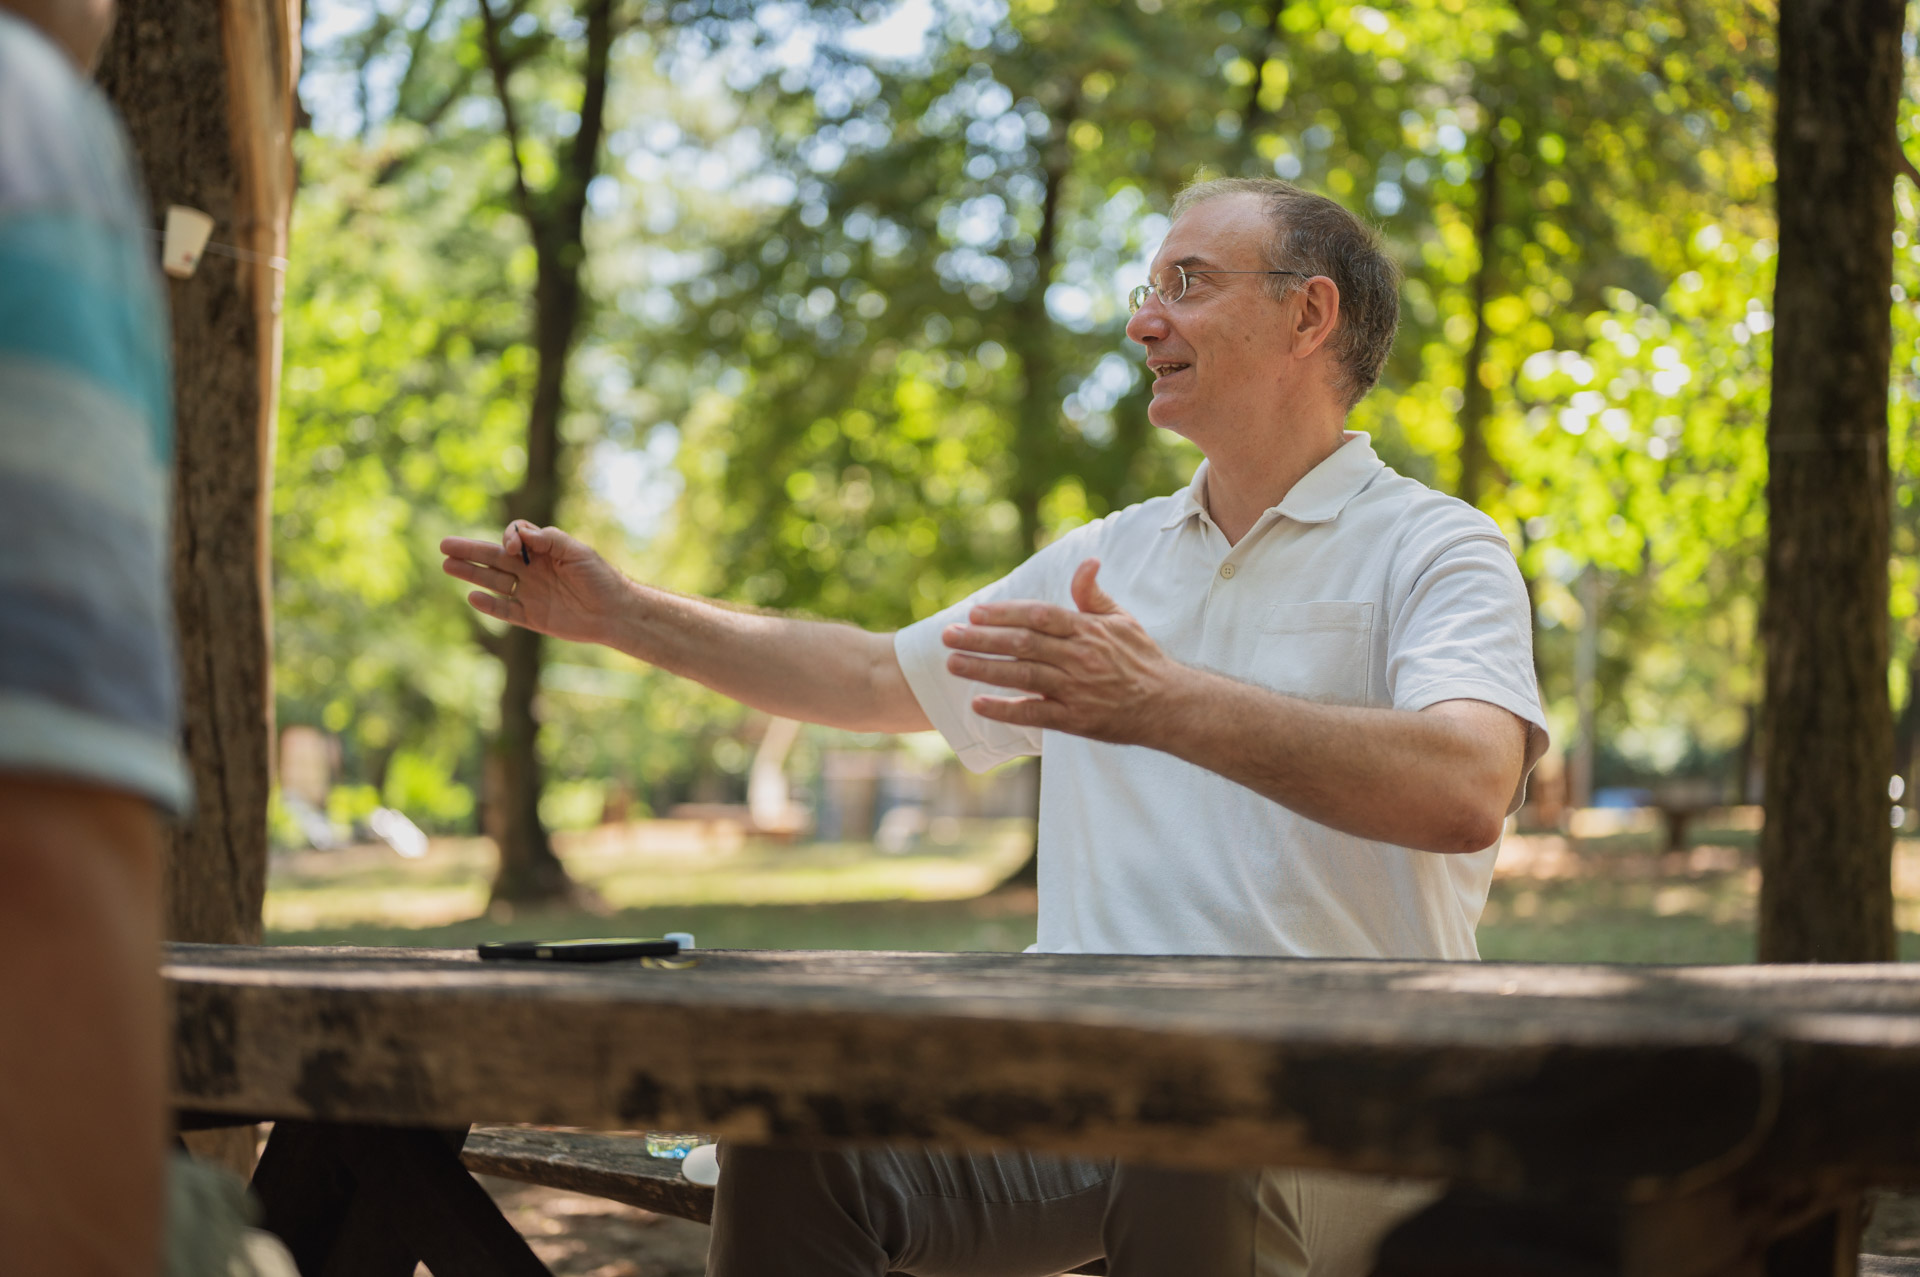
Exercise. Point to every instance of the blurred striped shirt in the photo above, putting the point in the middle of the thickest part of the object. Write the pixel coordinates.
(88, 686)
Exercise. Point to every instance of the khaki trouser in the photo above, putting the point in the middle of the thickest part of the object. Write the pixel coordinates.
(789, 1213)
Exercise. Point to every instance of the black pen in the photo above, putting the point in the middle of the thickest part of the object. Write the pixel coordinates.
(524, 556)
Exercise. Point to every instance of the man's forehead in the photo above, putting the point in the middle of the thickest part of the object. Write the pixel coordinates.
(1217, 233)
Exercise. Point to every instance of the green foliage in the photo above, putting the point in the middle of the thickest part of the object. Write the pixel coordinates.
(349, 806)
(398, 426)
(921, 370)
(857, 327)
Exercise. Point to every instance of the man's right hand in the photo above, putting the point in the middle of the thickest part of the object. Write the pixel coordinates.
(542, 579)
(810, 670)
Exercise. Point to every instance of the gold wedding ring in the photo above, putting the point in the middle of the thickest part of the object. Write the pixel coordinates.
(514, 588)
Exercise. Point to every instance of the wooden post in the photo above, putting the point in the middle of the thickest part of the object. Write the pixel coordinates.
(206, 89)
(1826, 851)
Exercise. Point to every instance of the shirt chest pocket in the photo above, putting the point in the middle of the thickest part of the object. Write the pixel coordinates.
(1319, 651)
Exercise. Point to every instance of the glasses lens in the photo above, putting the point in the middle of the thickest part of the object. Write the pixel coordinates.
(1173, 283)
(1138, 298)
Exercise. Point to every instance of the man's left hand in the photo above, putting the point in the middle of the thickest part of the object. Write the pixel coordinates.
(1092, 672)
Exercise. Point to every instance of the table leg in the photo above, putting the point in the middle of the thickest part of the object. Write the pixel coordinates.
(368, 1201)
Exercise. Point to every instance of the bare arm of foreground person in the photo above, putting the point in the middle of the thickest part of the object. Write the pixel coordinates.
(816, 671)
(1439, 779)
(82, 1035)
(88, 718)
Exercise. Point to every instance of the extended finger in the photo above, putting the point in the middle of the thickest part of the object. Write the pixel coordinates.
(1022, 711)
(1025, 676)
(1006, 641)
(497, 606)
(494, 579)
(1026, 615)
(472, 551)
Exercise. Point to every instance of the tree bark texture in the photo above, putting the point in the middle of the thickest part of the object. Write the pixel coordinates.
(206, 90)
(529, 872)
(1825, 853)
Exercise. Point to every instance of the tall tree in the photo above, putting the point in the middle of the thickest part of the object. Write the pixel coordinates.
(1826, 850)
(555, 216)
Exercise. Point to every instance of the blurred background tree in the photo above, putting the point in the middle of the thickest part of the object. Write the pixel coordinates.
(850, 338)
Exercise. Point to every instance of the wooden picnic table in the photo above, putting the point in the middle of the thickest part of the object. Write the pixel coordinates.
(1635, 1120)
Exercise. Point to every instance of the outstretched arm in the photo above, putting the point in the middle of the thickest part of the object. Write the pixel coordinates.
(815, 671)
(1437, 780)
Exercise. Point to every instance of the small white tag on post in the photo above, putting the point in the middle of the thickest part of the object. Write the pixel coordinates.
(186, 240)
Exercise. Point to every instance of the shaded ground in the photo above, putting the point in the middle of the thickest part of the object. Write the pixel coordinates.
(1894, 1228)
(580, 1236)
(1623, 898)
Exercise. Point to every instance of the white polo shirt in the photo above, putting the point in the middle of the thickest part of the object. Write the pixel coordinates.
(1362, 587)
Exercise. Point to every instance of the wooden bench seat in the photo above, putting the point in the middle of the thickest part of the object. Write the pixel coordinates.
(616, 1167)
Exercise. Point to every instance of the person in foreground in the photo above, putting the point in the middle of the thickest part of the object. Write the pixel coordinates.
(89, 708)
(1283, 711)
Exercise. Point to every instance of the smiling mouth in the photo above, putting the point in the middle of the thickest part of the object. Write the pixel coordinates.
(1165, 370)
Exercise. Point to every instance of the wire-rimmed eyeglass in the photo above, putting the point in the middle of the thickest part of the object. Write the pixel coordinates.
(1171, 285)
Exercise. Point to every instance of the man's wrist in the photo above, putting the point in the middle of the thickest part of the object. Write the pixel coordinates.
(626, 624)
(1176, 712)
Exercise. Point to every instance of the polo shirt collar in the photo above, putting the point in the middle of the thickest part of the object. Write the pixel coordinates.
(1319, 497)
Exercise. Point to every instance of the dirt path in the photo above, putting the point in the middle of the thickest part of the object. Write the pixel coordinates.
(580, 1236)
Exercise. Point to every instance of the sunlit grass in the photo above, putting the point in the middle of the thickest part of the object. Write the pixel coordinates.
(1001, 922)
(645, 868)
(1612, 899)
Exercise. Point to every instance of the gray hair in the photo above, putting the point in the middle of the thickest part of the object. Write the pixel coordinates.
(1311, 233)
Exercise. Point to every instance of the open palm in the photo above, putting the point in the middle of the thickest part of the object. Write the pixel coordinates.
(539, 578)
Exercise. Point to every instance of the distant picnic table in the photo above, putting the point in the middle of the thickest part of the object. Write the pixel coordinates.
(1598, 1119)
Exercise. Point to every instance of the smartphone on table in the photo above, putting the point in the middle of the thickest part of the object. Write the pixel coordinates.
(576, 950)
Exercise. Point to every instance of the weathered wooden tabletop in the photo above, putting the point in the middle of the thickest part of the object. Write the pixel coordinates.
(1640, 1081)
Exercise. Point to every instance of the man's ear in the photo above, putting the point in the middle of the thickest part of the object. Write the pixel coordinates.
(1318, 315)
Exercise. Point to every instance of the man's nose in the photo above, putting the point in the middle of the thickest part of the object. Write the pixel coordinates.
(1149, 323)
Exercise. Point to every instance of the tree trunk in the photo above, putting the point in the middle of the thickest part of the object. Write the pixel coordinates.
(529, 872)
(1476, 402)
(1826, 850)
(1268, 41)
(1038, 420)
(206, 90)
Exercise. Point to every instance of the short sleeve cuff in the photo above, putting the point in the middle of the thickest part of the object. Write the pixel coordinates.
(947, 701)
(41, 738)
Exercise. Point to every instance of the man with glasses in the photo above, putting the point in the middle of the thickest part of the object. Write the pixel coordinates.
(1284, 711)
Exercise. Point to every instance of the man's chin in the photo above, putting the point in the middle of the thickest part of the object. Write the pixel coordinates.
(1164, 415)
